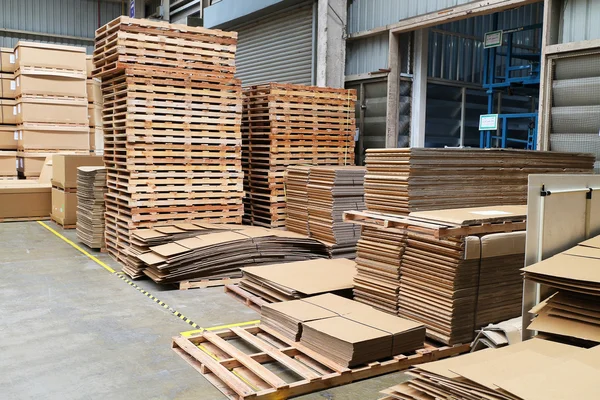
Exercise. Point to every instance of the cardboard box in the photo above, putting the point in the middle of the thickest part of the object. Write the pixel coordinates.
(94, 91)
(8, 112)
(95, 115)
(30, 164)
(494, 245)
(64, 168)
(52, 137)
(8, 163)
(60, 58)
(64, 206)
(8, 137)
(8, 62)
(39, 84)
(96, 139)
(25, 200)
(8, 86)
(52, 111)
(89, 65)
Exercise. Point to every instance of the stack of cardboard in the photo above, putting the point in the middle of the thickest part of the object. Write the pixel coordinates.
(91, 188)
(378, 264)
(296, 198)
(95, 103)
(222, 254)
(573, 311)
(172, 115)
(531, 370)
(64, 186)
(8, 115)
(289, 125)
(400, 181)
(51, 103)
(281, 282)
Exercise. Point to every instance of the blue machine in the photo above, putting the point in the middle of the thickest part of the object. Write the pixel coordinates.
(515, 79)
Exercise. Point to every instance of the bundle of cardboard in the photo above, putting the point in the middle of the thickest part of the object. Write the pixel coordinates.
(530, 370)
(345, 331)
(281, 282)
(91, 187)
(401, 181)
(222, 254)
(316, 199)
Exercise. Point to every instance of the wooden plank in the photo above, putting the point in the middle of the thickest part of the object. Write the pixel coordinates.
(185, 285)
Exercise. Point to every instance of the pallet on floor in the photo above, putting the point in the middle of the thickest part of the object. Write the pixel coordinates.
(25, 219)
(206, 283)
(57, 222)
(245, 297)
(243, 376)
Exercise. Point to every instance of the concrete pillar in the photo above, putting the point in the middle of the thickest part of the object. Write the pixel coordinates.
(139, 8)
(419, 90)
(331, 43)
(393, 92)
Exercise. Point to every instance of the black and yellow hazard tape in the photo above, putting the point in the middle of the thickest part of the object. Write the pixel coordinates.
(122, 277)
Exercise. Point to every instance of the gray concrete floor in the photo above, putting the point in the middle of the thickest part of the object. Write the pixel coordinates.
(71, 330)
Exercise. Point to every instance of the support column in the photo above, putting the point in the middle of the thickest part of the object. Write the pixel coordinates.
(140, 6)
(419, 92)
(166, 5)
(331, 43)
(393, 92)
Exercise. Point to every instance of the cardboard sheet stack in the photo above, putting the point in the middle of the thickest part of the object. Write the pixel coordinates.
(321, 194)
(91, 188)
(400, 181)
(289, 125)
(51, 108)
(172, 115)
(8, 117)
(344, 331)
(289, 281)
(574, 310)
(95, 104)
(377, 281)
(532, 370)
(222, 254)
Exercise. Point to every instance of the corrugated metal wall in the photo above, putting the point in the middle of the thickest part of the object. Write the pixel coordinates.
(367, 55)
(368, 14)
(580, 20)
(74, 18)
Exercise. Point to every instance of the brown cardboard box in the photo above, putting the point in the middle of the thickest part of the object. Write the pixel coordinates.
(96, 139)
(8, 86)
(53, 137)
(8, 137)
(94, 91)
(52, 111)
(7, 60)
(39, 84)
(32, 163)
(51, 56)
(64, 206)
(95, 114)
(8, 163)
(25, 200)
(8, 112)
(64, 168)
(89, 65)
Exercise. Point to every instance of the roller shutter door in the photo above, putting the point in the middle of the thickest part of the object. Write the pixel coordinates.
(277, 48)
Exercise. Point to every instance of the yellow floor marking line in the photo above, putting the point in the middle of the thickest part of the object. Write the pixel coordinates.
(217, 328)
(123, 277)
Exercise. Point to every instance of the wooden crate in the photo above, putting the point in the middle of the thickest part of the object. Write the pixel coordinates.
(239, 375)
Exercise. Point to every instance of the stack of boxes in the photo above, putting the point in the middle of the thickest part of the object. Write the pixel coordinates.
(95, 102)
(51, 107)
(8, 115)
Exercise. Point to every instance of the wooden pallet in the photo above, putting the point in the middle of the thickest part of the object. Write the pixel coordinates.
(239, 375)
(57, 222)
(206, 283)
(25, 219)
(245, 297)
(399, 224)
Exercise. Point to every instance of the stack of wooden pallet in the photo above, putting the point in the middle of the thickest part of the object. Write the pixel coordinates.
(172, 114)
(289, 125)
(317, 197)
(91, 188)
(400, 181)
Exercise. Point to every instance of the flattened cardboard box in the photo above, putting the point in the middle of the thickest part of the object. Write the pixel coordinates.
(64, 206)
(8, 112)
(52, 137)
(64, 168)
(8, 137)
(52, 111)
(8, 163)
(7, 60)
(8, 86)
(25, 200)
(36, 84)
(51, 56)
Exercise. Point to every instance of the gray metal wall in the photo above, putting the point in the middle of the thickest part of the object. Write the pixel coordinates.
(71, 22)
(580, 20)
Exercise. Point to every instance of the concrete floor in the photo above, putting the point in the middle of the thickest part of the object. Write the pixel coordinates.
(69, 329)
